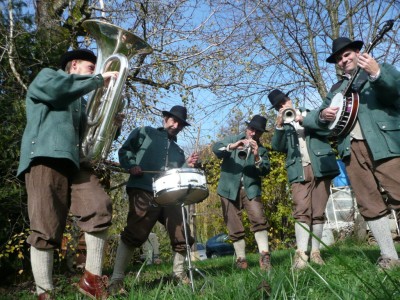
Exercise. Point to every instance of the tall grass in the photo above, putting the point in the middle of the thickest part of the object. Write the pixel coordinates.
(350, 273)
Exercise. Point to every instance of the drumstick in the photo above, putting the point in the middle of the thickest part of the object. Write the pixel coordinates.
(196, 147)
(115, 167)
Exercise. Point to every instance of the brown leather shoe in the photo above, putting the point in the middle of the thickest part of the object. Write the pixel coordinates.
(45, 296)
(316, 258)
(93, 286)
(265, 261)
(241, 263)
(181, 278)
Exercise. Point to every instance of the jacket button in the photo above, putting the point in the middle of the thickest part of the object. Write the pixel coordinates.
(32, 152)
(33, 142)
(77, 145)
(383, 127)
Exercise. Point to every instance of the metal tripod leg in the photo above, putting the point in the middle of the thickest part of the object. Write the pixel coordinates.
(189, 252)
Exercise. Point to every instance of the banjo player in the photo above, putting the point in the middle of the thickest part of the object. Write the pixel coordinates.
(371, 149)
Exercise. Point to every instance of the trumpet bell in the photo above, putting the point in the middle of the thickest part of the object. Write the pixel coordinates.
(244, 153)
(288, 115)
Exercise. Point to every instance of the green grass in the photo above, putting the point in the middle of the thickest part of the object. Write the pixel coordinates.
(350, 273)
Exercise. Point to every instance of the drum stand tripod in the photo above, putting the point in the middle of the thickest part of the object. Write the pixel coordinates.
(189, 253)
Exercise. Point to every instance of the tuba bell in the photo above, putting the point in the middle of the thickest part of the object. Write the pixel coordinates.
(115, 47)
(288, 115)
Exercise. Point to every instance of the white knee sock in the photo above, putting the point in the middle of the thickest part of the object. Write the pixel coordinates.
(317, 230)
(262, 240)
(240, 248)
(95, 243)
(381, 230)
(302, 231)
(124, 255)
(42, 269)
(178, 264)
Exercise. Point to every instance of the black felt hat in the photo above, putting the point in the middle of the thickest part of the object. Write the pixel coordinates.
(83, 54)
(258, 122)
(276, 97)
(178, 112)
(340, 44)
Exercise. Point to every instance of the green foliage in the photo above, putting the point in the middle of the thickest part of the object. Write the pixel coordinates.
(13, 215)
(209, 219)
(277, 198)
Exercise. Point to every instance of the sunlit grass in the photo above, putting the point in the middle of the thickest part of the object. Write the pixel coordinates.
(350, 273)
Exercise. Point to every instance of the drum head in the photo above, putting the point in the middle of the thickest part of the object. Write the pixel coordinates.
(180, 186)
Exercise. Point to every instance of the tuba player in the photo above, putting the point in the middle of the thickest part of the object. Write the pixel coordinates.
(56, 183)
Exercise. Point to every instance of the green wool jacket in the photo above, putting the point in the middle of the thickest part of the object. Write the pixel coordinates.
(55, 112)
(378, 114)
(322, 157)
(147, 147)
(234, 168)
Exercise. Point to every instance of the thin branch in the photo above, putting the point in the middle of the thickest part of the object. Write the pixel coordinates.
(11, 48)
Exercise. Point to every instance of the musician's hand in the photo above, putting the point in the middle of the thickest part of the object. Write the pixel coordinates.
(238, 144)
(254, 147)
(136, 171)
(192, 160)
(368, 64)
(279, 119)
(108, 75)
(299, 119)
(329, 113)
(119, 118)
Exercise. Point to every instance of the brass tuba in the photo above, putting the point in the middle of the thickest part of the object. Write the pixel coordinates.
(116, 47)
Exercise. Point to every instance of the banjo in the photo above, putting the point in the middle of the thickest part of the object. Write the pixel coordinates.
(348, 100)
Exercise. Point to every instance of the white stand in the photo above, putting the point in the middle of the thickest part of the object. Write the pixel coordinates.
(188, 252)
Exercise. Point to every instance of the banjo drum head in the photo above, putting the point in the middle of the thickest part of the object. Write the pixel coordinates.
(337, 101)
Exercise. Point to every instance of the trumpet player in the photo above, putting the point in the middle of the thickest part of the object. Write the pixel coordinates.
(56, 183)
(310, 165)
(244, 162)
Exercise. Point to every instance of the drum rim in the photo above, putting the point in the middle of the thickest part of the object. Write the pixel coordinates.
(176, 171)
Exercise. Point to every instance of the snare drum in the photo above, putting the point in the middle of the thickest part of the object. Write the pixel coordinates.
(177, 186)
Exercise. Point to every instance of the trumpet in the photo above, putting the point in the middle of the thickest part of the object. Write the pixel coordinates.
(288, 115)
(245, 151)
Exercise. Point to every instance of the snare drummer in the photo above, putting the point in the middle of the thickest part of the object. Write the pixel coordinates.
(310, 164)
(371, 151)
(152, 149)
(240, 188)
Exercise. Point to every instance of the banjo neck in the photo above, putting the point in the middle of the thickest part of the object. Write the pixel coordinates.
(372, 44)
